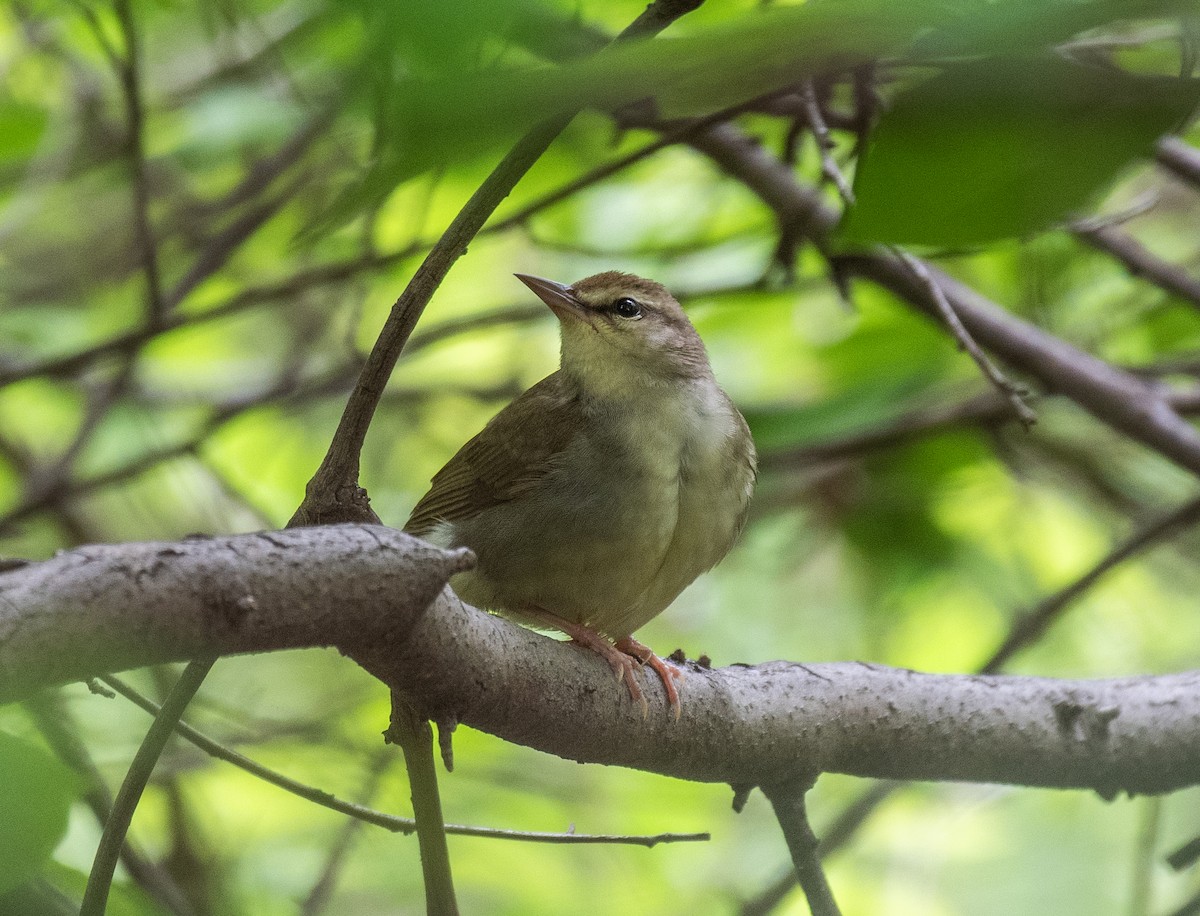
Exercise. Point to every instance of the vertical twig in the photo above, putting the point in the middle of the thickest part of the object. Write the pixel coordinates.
(95, 897)
(56, 726)
(413, 733)
(820, 131)
(837, 835)
(1141, 892)
(1023, 632)
(790, 811)
(129, 72)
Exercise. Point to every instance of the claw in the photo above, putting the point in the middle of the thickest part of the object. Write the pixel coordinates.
(620, 656)
(666, 672)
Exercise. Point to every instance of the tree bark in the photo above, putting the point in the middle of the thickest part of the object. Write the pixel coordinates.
(368, 590)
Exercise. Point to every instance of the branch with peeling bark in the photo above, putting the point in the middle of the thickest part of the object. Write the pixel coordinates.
(377, 595)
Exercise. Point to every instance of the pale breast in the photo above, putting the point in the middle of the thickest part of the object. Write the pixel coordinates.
(644, 500)
(715, 479)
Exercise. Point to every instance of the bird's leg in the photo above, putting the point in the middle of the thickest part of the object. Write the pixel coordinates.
(667, 673)
(619, 660)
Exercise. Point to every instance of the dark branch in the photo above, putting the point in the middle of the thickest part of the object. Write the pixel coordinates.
(1181, 158)
(129, 72)
(1141, 263)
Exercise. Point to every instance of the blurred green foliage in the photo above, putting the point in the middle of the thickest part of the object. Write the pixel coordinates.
(35, 795)
(918, 550)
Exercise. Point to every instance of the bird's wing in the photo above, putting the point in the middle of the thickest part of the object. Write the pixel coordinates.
(506, 459)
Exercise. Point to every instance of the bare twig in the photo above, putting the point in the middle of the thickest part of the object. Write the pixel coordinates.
(135, 116)
(1015, 395)
(96, 27)
(390, 822)
(1140, 262)
(837, 835)
(1144, 203)
(1027, 628)
(825, 145)
(47, 485)
(262, 173)
(222, 246)
(1141, 410)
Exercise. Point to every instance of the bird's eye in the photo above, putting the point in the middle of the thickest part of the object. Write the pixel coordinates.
(627, 308)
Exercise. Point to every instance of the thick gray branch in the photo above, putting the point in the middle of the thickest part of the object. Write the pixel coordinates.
(107, 608)
(766, 723)
(367, 590)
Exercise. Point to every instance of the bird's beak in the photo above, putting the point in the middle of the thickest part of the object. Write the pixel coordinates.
(561, 300)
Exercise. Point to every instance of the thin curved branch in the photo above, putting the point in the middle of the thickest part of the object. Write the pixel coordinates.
(390, 822)
(333, 493)
(95, 896)
(56, 726)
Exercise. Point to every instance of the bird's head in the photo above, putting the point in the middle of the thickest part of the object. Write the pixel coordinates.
(619, 329)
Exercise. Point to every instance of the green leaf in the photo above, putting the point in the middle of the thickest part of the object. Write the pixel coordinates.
(21, 129)
(442, 111)
(1005, 147)
(36, 792)
(124, 899)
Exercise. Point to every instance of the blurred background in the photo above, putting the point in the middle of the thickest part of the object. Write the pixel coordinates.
(206, 213)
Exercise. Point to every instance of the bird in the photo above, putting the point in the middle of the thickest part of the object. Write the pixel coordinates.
(593, 499)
